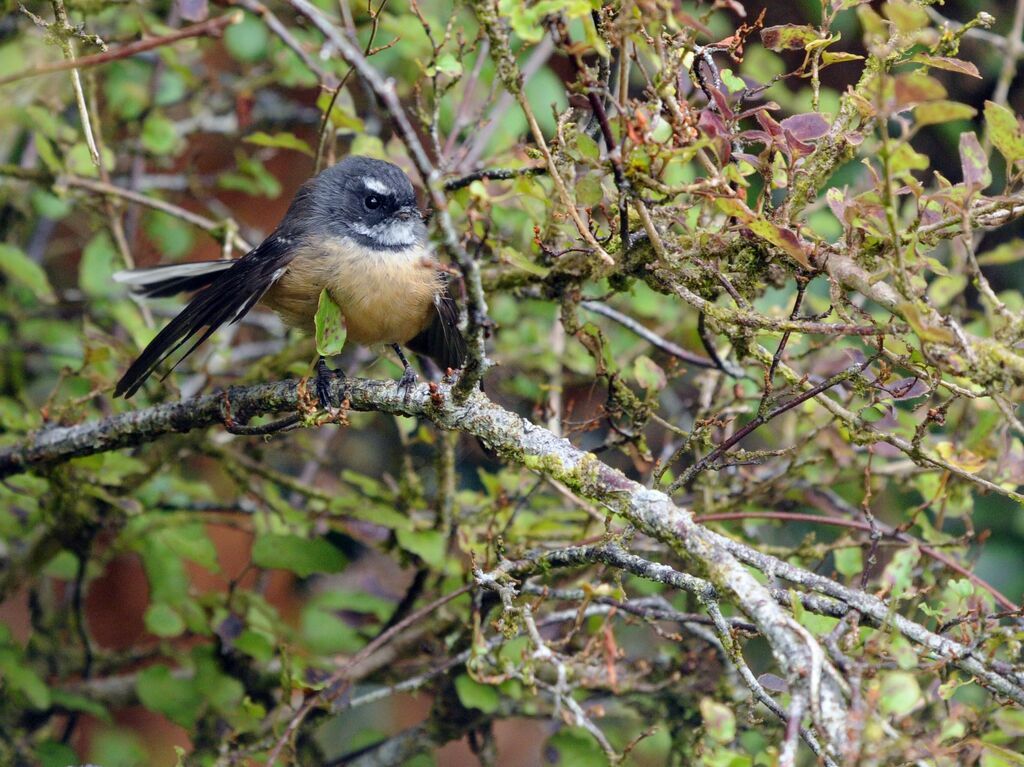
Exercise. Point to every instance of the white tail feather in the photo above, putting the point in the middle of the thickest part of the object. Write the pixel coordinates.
(141, 277)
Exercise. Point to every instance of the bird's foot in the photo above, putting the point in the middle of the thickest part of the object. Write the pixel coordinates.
(324, 378)
(407, 381)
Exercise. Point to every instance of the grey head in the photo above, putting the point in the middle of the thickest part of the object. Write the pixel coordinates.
(369, 201)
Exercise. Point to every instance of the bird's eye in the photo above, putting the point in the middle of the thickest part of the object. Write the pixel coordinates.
(372, 202)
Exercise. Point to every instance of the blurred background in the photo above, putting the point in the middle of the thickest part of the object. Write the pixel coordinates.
(227, 129)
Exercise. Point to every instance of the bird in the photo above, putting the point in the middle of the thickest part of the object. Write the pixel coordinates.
(354, 229)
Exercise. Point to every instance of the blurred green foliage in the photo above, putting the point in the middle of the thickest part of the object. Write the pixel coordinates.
(348, 530)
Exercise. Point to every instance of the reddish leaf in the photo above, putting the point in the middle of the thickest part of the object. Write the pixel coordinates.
(769, 123)
(914, 87)
(712, 126)
(949, 64)
(973, 162)
(788, 36)
(806, 127)
(797, 147)
(779, 236)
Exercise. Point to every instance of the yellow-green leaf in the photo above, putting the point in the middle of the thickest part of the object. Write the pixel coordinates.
(1004, 131)
(330, 326)
(279, 141)
(924, 331)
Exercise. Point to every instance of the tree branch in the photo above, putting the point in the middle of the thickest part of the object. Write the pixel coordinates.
(522, 442)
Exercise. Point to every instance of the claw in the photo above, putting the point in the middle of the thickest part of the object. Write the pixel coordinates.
(324, 378)
(408, 379)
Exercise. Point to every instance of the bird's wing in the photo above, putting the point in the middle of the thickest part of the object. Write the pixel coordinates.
(230, 295)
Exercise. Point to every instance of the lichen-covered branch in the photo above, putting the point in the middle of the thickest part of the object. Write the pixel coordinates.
(520, 441)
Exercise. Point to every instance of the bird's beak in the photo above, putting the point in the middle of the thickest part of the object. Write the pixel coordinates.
(409, 213)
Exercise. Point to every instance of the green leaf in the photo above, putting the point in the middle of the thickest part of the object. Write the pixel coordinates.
(428, 545)
(300, 555)
(589, 191)
(177, 699)
(253, 643)
(900, 693)
(942, 111)
(873, 413)
(252, 178)
(173, 236)
(247, 40)
(587, 147)
(719, 721)
(356, 602)
(75, 702)
(1004, 131)
(574, 747)
(330, 326)
(49, 205)
(50, 753)
(18, 267)
(526, 18)
(446, 64)
(924, 331)
(473, 694)
(215, 688)
(782, 238)
(165, 571)
(191, 542)
(732, 81)
(998, 756)
(97, 267)
(159, 136)
(126, 84)
(164, 621)
(280, 141)
(648, 373)
(326, 633)
(16, 675)
(343, 118)
(1007, 253)
(849, 561)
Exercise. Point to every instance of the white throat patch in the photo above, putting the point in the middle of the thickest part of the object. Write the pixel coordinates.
(390, 234)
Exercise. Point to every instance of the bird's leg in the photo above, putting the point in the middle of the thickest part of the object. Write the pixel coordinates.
(408, 375)
(324, 377)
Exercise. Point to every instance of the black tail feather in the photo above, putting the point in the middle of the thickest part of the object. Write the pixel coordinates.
(174, 285)
(442, 341)
(228, 295)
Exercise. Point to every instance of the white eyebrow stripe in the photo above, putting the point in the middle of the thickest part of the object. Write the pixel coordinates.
(375, 186)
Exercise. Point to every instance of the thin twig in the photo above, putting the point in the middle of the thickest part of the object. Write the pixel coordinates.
(210, 28)
(651, 337)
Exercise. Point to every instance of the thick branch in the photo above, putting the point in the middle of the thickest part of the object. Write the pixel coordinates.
(536, 448)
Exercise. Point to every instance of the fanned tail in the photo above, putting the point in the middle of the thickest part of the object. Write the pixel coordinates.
(230, 291)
